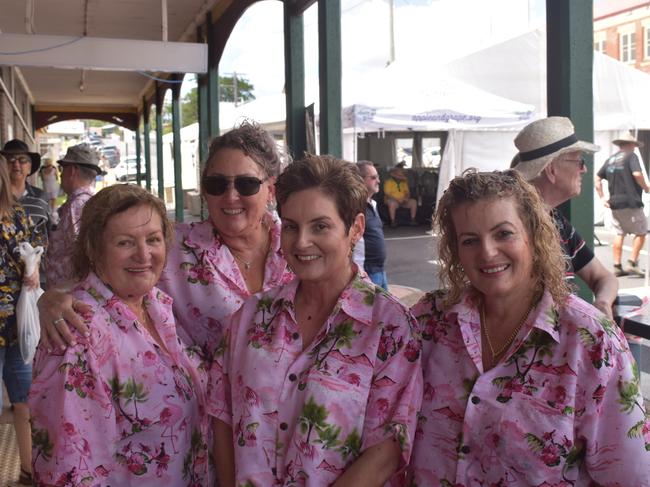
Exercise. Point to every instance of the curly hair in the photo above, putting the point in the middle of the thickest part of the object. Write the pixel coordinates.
(96, 213)
(252, 140)
(549, 264)
(336, 178)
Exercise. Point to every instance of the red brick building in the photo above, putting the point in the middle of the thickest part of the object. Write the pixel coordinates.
(622, 31)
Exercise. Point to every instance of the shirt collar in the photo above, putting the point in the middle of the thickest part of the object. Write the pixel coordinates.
(356, 300)
(544, 315)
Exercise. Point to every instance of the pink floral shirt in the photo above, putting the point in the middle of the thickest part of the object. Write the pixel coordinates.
(58, 258)
(116, 409)
(301, 417)
(563, 408)
(207, 286)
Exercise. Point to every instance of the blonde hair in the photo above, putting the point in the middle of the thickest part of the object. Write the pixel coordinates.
(7, 199)
(549, 264)
(102, 207)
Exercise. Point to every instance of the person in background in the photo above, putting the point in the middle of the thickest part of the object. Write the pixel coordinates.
(525, 384)
(625, 184)
(50, 180)
(215, 264)
(372, 246)
(550, 158)
(15, 227)
(21, 164)
(397, 195)
(79, 167)
(319, 381)
(124, 405)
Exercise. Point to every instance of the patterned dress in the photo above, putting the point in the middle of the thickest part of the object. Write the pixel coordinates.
(15, 228)
(562, 408)
(203, 278)
(116, 409)
(301, 417)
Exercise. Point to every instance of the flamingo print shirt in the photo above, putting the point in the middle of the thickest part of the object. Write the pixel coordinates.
(301, 417)
(117, 409)
(562, 408)
(207, 286)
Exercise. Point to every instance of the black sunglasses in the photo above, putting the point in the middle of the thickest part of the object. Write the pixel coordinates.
(245, 185)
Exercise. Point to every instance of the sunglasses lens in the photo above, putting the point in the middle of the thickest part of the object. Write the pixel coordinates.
(247, 185)
(215, 185)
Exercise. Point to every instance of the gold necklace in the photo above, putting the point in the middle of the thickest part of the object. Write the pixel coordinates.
(496, 353)
(247, 265)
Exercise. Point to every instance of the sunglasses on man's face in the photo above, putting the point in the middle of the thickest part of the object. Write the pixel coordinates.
(580, 162)
(244, 185)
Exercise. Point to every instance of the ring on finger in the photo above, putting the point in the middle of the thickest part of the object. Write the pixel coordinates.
(58, 320)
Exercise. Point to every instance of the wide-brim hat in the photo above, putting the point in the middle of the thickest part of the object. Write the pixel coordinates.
(17, 146)
(542, 141)
(627, 139)
(82, 155)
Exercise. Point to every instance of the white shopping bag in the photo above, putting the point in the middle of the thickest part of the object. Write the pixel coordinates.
(29, 328)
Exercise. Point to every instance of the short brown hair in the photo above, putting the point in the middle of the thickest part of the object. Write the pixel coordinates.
(102, 207)
(549, 264)
(336, 178)
(252, 140)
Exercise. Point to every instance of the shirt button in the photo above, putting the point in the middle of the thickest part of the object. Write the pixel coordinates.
(295, 335)
(284, 426)
(476, 399)
(465, 449)
(292, 377)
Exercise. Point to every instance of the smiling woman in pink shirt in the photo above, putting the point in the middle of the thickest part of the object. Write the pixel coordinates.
(125, 405)
(525, 384)
(215, 264)
(318, 382)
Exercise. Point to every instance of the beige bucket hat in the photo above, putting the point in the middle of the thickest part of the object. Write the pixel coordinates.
(627, 139)
(542, 141)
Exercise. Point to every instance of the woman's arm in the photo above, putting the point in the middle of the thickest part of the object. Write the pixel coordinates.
(64, 386)
(374, 467)
(223, 453)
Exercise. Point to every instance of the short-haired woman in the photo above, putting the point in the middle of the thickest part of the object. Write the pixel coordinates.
(525, 384)
(124, 405)
(319, 383)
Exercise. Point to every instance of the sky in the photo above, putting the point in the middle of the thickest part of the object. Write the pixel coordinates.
(426, 32)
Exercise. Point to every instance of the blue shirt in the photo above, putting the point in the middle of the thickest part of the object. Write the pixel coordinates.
(373, 236)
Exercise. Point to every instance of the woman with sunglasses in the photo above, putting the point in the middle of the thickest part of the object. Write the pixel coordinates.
(217, 263)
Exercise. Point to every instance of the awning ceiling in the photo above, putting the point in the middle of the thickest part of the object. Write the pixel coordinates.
(101, 91)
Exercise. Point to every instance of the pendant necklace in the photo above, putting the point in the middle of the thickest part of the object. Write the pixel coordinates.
(247, 265)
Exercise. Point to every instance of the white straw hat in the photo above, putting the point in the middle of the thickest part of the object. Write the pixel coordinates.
(542, 141)
(627, 139)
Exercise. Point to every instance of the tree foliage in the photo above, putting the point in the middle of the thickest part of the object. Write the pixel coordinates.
(189, 103)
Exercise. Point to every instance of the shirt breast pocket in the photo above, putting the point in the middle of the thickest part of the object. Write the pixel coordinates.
(536, 440)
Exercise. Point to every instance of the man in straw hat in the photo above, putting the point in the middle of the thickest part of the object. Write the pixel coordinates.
(625, 181)
(79, 168)
(22, 163)
(550, 157)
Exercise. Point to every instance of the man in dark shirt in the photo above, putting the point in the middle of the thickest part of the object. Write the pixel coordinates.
(550, 158)
(373, 235)
(625, 181)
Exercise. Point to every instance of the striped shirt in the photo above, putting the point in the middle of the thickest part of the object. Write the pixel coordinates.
(36, 206)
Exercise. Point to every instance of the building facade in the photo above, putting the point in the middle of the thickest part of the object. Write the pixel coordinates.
(622, 31)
